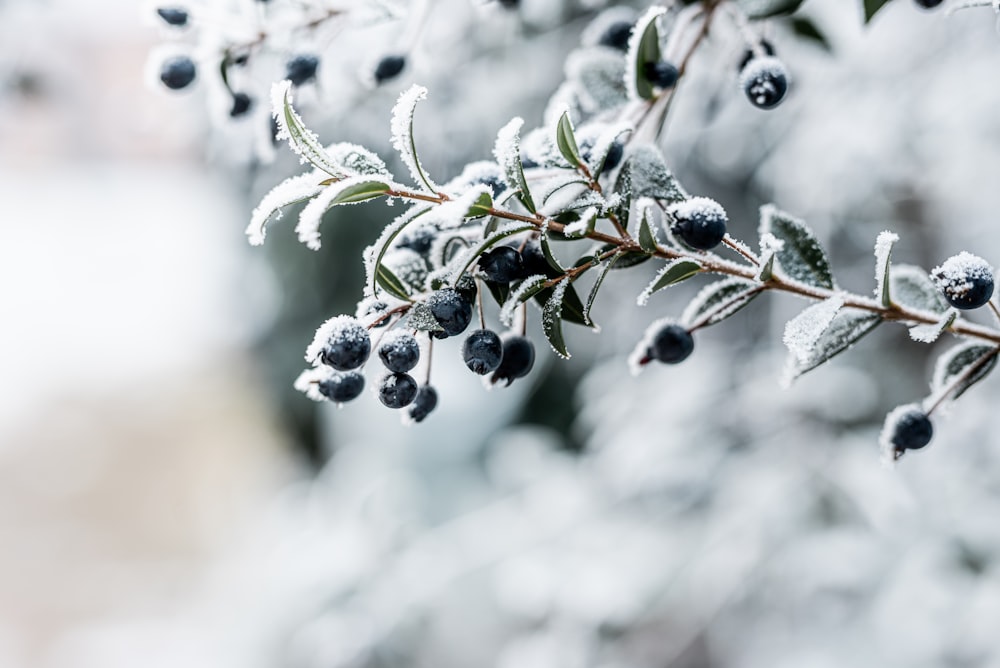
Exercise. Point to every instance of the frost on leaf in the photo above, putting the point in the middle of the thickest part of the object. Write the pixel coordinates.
(801, 257)
(883, 257)
(802, 332)
(672, 273)
(769, 247)
(717, 301)
(374, 253)
(529, 287)
(302, 140)
(346, 191)
(930, 333)
(402, 134)
(650, 176)
(960, 368)
(507, 151)
(583, 226)
(643, 47)
(846, 328)
(357, 160)
(911, 287)
(290, 191)
(603, 143)
(552, 319)
(597, 79)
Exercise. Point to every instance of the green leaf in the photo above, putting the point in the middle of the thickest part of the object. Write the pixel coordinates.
(762, 9)
(302, 140)
(672, 273)
(552, 319)
(847, 328)
(572, 308)
(801, 257)
(651, 177)
(647, 237)
(481, 207)
(402, 134)
(717, 301)
(872, 7)
(359, 192)
(524, 291)
(623, 186)
(961, 367)
(507, 151)
(931, 333)
(566, 141)
(375, 253)
(807, 29)
(500, 291)
(912, 288)
(644, 50)
(550, 258)
(626, 260)
(391, 283)
(883, 259)
(595, 288)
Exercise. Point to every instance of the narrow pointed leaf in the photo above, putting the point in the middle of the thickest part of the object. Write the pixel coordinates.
(402, 134)
(883, 258)
(719, 300)
(391, 283)
(672, 273)
(552, 319)
(566, 141)
(527, 289)
(596, 287)
(361, 192)
(872, 7)
(644, 47)
(647, 237)
(801, 257)
(507, 151)
(302, 140)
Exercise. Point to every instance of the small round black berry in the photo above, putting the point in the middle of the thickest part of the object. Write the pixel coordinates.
(534, 259)
(518, 358)
(342, 387)
(389, 68)
(399, 351)
(175, 16)
(765, 82)
(301, 69)
(912, 431)
(177, 72)
(425, 402)
(965, 279)
(345, 344)
(699, 222)
(482, 351)
(662, 73)
(241, 104)
(466, 288)
(749, 54)
(614, 156)
(616, 35)
(671, 344)
(418, 238)
(928, 4)
(451, 311)
(502, 264)
(397, 390)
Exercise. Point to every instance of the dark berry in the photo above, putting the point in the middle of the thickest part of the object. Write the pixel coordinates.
(765, 82)
(528, 163)
(175, 16)
(671, 344)
(502, 264)
(425, 402)
(465, 286)
(495, 183)
(534, 259)
(617, 35)
(397, 390)
(241, 104)
(482, 351)
(177, 72)
(966, 280)
(370, 310)
(749, 54)
(509, 4)
(928, 4)
(614, 157)
(699, 222)
(301, 69)
(912, 431)
(342, 387)
(662, 73)
(451, 311)
(518, 358)
(389, 68)
(399, 351)
(347, 344)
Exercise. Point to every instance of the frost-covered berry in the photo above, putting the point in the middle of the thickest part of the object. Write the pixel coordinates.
(662, 73)
(518, 358)
(451, 310)
(502, 264)
(913, 430)
(342, 387)
(614, 157)
(177, 72)
(765, 82)
(928, 4)
(482, 351)
(241, 104)
(616, 35)
(425, 402)
(371, 310)
(699, 222)
(175, 16)
(342, 343)
(399, 351)
(396, 390)
(965, 279)
(301, 69)
(418, 238)
(389, 68)
(671, 344)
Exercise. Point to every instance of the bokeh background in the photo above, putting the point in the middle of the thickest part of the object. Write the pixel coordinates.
(167, 500)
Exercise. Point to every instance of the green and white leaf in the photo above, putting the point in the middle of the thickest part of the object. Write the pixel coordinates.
(960, 368)
(931, 333)
(650, 176)
(566, 141)
(803, 332)
(301, 140)
(672, 273)
(550, 257)
(507, 151)
(527, 289)
(643, 47)
(596, 287)
(552, 319)
(883, 260)
(357, 160)
(402, 135)
(844, 331)
(602, 146)
(582, 227)
(391, 283)
(290, 191)
(911, 287)
(373, 254)
(559, 184)
(350, 190)
(769, 247)
(718, 301)
(801, 257)
(647, 234)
